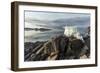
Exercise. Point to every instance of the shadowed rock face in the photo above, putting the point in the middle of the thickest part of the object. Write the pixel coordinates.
(87, 42)
(57, 48)
(76, 46)
(61, 43)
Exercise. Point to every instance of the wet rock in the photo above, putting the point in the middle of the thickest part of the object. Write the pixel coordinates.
(57, 48)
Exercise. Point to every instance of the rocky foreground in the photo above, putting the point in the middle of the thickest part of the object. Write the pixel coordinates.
(57, 48)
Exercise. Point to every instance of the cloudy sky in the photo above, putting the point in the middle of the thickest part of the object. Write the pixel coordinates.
(52, 15)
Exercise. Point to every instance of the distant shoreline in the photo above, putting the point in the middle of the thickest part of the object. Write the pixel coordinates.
(37, 29)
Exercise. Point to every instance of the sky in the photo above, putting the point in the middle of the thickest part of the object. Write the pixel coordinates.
(52, 15)
(53, 20)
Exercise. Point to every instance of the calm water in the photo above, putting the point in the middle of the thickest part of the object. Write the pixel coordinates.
(33, 36)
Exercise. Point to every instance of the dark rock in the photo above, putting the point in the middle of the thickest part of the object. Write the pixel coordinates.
(57, 48)
(76, 46)
(87, 42)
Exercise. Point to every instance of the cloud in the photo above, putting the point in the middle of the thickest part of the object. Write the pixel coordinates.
(40, 15)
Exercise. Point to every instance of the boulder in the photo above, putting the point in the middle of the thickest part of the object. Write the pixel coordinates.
(58, 48)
